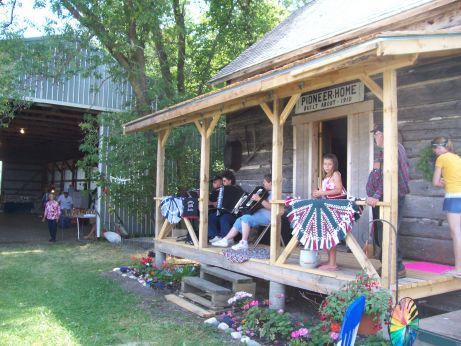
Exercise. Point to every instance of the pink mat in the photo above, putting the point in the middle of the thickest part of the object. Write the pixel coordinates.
(428, 267)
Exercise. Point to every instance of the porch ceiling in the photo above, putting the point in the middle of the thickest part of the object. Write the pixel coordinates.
(351, 61)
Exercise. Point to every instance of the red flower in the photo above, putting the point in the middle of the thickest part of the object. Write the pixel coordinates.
(324, 328)
(323, 317)
(335, 327)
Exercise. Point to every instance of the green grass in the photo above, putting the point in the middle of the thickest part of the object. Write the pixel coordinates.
(56, 295)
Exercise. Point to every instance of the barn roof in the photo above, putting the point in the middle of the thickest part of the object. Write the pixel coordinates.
(321, 23)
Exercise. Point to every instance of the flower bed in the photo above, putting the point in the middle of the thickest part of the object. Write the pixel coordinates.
(148, 274)
(252, 318)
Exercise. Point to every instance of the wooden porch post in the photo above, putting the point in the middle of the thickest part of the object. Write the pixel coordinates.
(160, 187)
(390, 177)
(205, 127)
(277, 154)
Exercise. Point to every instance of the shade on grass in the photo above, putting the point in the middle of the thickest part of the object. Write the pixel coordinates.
(55, 295)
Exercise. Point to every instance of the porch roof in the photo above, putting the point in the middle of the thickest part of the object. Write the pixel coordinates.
(353, 60)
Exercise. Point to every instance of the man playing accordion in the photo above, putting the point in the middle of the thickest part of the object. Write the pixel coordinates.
(220, 221)
(244, 223)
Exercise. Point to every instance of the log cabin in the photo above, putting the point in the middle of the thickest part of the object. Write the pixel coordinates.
(317, 83)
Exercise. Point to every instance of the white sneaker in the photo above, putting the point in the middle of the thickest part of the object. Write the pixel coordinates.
(242, 245)
(221, 243)
(216, 238)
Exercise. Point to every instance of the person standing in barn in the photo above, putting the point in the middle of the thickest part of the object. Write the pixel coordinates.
(66, 203)
(51, 215)
(375, 193)
(447, 174)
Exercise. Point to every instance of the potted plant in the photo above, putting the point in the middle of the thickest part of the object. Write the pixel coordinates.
(377, 304)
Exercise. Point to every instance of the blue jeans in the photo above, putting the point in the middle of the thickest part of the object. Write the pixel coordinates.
(378, 231)
(52, 228)
(219, 225)
(254, 220)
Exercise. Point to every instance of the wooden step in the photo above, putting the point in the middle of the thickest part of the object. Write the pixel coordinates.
(183, 303)
(204, 285)
(204, 302)
(224, 274)
(234, 281)
(218, 295)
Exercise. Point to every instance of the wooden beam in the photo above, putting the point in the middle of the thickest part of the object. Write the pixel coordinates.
(288, 250)
(199, 127)
(191, 231)
(429, 288)
(267, 110)
(418, 45)
(160, 181)
(165, 134)
(256, 92)
(357, 251)
(390, 176)
(165, 230)
(292, 275)
(312, 81)
(212, 126)
(289, 107)
(373, 86)
(204, 180)
(277, 179)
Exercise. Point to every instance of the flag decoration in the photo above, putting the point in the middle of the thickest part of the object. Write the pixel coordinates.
(321, 223)
(171, 209)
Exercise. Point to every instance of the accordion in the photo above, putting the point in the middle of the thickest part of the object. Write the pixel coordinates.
(228, 196)
(246, 205)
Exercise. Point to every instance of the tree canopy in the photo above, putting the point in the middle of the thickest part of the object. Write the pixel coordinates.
(166, 49)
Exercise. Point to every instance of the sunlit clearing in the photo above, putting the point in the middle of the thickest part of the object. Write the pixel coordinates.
(6, 253)
(40, 325)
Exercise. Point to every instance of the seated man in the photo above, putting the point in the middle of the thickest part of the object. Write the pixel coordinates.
(244, 223)
(213, 200)
(220, 221)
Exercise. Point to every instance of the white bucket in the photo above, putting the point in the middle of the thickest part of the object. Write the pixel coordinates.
(308, 258)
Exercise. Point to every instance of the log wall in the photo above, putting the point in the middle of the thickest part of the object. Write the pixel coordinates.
(429, 100)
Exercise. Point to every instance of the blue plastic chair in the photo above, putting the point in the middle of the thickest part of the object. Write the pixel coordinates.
(351, 322)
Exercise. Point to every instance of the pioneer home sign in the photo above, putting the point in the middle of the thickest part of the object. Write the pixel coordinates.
(332, 97)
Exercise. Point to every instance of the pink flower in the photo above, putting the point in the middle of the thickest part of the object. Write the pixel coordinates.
(334, 336)
(295, 334)
(254, 303)
(246, 307)
(280, 311)
(303, 332)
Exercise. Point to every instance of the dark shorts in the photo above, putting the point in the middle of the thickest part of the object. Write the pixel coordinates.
(452, 205)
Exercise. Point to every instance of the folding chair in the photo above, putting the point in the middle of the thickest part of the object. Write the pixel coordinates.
(351, 322)
(263, 233)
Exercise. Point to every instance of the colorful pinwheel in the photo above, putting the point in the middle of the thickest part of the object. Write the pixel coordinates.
(404, 323)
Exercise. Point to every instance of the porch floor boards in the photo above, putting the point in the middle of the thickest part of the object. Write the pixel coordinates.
(416, 284)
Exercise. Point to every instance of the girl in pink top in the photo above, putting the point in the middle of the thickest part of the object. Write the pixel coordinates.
(332, 188)
(52, 214)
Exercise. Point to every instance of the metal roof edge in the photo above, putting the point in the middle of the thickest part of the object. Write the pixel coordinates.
(254, 67)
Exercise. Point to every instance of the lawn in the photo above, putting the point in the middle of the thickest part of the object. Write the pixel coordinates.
(55, 295)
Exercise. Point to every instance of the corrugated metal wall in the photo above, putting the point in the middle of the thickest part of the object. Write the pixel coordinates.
(82, 89)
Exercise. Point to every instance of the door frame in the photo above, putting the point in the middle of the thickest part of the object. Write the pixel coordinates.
(304, 126)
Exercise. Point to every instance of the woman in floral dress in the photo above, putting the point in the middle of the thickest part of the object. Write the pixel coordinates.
(52, 214)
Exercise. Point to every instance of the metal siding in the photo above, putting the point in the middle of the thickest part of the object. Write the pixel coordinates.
(78, 90)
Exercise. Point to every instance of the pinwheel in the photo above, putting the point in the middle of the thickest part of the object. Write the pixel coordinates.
(404, 323)
(321, 223)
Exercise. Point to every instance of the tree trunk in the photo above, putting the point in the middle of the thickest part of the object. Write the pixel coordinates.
(178, 10)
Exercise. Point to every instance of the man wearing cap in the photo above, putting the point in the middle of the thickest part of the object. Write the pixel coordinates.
(375, 192)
